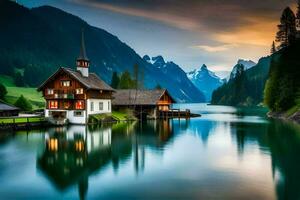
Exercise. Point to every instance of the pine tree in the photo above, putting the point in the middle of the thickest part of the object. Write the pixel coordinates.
(19, 80)
(273, 48)
(115, 80)
(136, 75)
(126, 81)
(158, 87)
(3, 91)
(287, 28)
(23, 103)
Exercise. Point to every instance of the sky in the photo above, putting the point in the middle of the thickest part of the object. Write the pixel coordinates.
(188, 32)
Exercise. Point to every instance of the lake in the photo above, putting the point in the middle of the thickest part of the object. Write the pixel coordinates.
(228, 153)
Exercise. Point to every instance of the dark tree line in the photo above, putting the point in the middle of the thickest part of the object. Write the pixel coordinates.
(283, 86)
(287, 29)
(234, 92)
(126, 81)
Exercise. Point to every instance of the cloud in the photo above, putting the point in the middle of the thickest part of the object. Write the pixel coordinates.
(164, 17)
(218, 48)
(227, 21)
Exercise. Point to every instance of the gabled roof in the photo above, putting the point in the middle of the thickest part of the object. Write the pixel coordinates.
(138, 97)
(6, 107)
(91, 82)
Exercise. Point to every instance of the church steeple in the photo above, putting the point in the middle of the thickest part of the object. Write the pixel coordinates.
(83, 62)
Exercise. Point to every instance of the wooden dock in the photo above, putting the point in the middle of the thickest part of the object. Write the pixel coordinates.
(177, 113)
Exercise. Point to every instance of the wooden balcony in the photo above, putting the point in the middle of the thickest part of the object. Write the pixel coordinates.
(64, 96)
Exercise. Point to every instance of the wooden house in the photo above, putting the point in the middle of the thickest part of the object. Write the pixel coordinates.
(148, 103)
(74, 95)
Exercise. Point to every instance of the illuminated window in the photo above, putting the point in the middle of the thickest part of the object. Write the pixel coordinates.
(79, 105)
(79, 91)
(50, 91)
(53, 104)
(67, 105)
(66, 83)
(100, 105)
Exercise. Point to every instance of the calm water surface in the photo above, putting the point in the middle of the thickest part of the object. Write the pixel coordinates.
(228, 153)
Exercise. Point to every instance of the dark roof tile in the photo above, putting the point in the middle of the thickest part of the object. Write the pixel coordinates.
(90, 82)
(6, 107)
(137, 97)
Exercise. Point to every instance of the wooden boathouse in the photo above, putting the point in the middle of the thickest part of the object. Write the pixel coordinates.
(150, 104)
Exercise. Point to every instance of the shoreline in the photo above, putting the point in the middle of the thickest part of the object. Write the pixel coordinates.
(295, 117)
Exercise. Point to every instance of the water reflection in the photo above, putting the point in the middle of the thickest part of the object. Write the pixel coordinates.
(72, 154)
(218, 156)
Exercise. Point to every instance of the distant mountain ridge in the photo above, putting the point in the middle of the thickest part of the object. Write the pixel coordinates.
(175, 75)
(205, 80)
(246, 63)
(38, 41)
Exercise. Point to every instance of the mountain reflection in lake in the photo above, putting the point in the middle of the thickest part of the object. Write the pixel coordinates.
(228, 153)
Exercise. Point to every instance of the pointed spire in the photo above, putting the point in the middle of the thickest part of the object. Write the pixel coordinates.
(82, 55)
(83, 62)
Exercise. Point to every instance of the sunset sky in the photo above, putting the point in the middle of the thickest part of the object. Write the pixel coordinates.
(189, 32)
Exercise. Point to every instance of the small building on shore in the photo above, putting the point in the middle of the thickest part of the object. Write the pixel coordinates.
(145, 103)
(73, 95)
(7, 110)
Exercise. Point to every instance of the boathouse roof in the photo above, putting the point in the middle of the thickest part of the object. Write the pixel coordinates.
(138, 97)
(91, 82)
(7, 107)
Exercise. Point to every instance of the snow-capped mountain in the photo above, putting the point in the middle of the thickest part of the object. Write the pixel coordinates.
(205, 80)
(246, 63)
(176, 76)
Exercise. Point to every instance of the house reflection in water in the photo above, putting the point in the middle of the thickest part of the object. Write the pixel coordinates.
(72, 154)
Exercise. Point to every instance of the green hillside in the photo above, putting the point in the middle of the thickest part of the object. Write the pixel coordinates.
(13, 93)
(7, 81)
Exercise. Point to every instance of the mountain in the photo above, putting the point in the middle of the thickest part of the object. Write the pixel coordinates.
(246, 63)
(205, 80)
(36, 42)
(246, 87)
(176, 76)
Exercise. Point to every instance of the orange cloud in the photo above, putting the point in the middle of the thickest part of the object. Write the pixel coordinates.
(258, 32)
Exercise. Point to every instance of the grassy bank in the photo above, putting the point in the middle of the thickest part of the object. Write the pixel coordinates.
(21, 120)
(13, 93)
(120, 115)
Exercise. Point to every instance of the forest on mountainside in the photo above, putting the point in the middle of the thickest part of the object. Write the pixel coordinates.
(245, 88)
